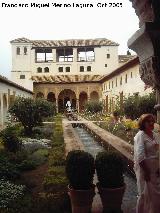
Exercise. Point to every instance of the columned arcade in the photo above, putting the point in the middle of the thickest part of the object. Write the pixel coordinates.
(77, 93)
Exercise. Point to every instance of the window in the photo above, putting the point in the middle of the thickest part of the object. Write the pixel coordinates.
(131, 74)
(64, 54)
(81, 68)
(18, 50)
(46, 69)
(39, 69)
(25, 50)
(86, 54)
(121, 80)
(67, 69)
(126, 79)
(88, 68)
(108, 55)
(22, 76)
(105, 65)
(44, 55)
(116, 82)
(112, 84)
(60, 69)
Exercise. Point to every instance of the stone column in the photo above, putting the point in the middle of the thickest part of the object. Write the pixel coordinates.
(56, 105)
(54, 55)
(9, 97)
(77, 103)
(77, 98)
(45, 93)
(88, 93)
(146, 43)
(75, 54)
(106, 104)
(56, 97)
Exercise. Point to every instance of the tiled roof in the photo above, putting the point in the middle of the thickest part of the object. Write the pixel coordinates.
(66, 78)
(21, 40)
(125, 58)
(11, 83)
(69, 42)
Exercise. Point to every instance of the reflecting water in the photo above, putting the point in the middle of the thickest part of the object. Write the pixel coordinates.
(88, 141)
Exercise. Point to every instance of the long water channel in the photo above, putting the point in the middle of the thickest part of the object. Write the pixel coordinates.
(93, 147)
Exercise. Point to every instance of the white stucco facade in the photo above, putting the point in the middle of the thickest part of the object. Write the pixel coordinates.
(123, 82)
(79, 57)
(8, 92)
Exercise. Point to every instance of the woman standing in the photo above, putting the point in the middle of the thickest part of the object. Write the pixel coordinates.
(146, 165)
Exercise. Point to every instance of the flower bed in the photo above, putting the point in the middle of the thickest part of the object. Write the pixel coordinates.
(32, 145)
(10, 194)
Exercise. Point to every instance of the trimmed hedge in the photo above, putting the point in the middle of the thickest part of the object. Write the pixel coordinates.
(55, 182)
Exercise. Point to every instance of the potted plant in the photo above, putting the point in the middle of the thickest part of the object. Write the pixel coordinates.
(111, 186)
(80, 170)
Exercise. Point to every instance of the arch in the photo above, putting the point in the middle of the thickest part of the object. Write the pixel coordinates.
(64, 96)
(25, 50)
(46, 69)
(82, 100)
(51, 97)
(18, 50)
(94, 96)
(39, 69)
(39, 95)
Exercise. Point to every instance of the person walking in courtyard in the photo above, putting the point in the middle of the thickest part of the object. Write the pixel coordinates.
(146, 165)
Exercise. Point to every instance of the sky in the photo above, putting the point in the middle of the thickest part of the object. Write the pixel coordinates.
(114, 20)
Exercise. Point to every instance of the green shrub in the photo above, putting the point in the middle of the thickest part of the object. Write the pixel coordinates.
(27, 165)
(31, 112)
(80, 169)
(110, 168)
(8, 170)
(43, 131)
(140, 104)
(10, 139)
(55, 181)
(94, 106)
(9, 194)
(53, 202)
(57, 157)
(39, 157)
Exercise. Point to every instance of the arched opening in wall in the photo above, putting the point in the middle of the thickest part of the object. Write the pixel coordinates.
(46, 69)
(51, 97)
(4, 108)
(64, 96)
(18, 51)
(82, 100)
(40, 95)
(94, 96)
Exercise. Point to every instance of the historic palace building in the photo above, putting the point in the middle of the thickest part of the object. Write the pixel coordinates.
(76, 70)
